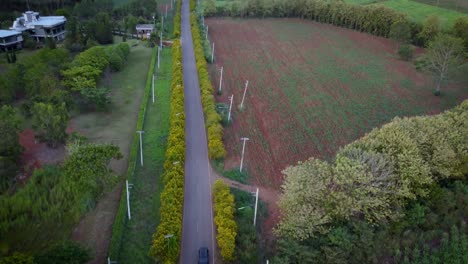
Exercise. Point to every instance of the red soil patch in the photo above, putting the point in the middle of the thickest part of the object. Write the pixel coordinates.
(37, 154)
(312, 89)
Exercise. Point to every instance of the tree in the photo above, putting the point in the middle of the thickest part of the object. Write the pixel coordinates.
(64, 252)
(103, 32)
(210, 8)
(400, 31)
(460, 30)
(406, 52)
(443, 52)
(10, 148)
(431, 28)
(50, 123)
(17, 258)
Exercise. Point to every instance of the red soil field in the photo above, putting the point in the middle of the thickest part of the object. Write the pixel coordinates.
(313, 88)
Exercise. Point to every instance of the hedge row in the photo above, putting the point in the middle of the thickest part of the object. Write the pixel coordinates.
(226, 226)
(373, 19)
(177, 19)
(167, 249)
(212, 118)
(121, 217)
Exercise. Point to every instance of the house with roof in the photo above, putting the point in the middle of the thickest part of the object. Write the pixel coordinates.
(144, 30)
(10, 40)
(39, 27)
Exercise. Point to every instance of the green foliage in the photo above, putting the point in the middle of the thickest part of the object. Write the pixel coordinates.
(212, 118)
(177, 19)
(86, 69)
(400, 31)
(406, 52)
(10, 148)
(172, 197)
(50, 122)
(64, 252)
(17, 258)
(460, 30)
(430, 29)
(403, 183)
(103, 28)
(224, 208)
(375, 176)
(55, 198)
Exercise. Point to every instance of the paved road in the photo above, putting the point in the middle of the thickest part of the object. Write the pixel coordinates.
(198, 217)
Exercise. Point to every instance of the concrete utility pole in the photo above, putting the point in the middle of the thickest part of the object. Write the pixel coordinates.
(162, 24)
(243, 96)
(230, 107)
(166, 10)
(220, 80)
(128, 186)
(160, 39)
(153, 88)
(212, 53)
(159, 53)
(206, 36)
(244, 139)
(141, 146)
(256, 204)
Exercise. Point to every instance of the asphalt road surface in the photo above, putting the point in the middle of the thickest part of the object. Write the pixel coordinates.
(197, 228)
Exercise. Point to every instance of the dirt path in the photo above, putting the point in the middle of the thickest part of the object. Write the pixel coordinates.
(269, 196)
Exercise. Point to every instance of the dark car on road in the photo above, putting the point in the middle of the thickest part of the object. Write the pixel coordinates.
(203, 256)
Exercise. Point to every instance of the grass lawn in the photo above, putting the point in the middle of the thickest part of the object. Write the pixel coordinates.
(456, 5)
(419, 12)
(147, 185)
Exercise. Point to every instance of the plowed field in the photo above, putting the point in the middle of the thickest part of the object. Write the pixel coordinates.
(313, 88)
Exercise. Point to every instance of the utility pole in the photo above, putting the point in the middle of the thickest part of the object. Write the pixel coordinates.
(244, 139)
(166, 10)
(153, 88)
(220, 80)
(230, 107)
(256, 204)
(160, 39)
(129, 186)
(159, 51)
(141, 146)
(243, 96)
(162, 24)
(212, 53)
(206, 36)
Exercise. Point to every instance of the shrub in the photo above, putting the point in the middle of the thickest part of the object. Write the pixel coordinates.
(65, 252)
(212, 118)
(224, 208)
(406, 52)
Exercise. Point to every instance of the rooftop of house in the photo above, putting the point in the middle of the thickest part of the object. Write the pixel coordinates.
(145, 27)
(8, 33)
(32, 19)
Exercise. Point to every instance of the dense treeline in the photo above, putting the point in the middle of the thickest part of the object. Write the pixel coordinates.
(373, 19)
(45, 6)
(10, 148)
(404, 183)
(224, 208)
(212, 118)
(55, 197)
(172, 197)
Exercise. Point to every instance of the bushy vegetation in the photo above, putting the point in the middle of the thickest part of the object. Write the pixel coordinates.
(212, 118)
(404, 183)
(172, 197)
(10, 148)
(177, 19)
(87, 68)
(224, 208)
(55, 197)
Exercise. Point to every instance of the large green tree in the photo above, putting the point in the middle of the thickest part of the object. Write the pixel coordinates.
(50, 122)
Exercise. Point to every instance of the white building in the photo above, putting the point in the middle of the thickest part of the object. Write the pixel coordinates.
(41, 27)
(144, 30)
(10, 40)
